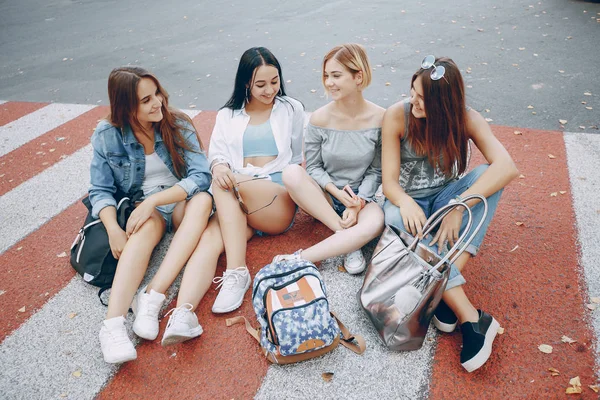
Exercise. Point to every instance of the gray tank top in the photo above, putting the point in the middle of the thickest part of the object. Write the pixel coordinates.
(418, 177)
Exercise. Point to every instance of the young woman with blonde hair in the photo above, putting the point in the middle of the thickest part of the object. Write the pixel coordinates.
(343, 162)
(425, 158)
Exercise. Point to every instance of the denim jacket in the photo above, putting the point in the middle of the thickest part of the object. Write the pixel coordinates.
(119, 162)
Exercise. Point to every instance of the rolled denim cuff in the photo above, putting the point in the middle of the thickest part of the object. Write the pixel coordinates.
(472, 250)
(190, 187)
(101, 204)
(455, 279)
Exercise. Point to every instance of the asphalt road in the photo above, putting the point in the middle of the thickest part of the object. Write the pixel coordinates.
(526, 64)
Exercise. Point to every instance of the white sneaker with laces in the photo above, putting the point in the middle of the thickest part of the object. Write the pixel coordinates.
(116, 345)
(354, 262)
(146, 307)
(288, 257)
(183, 325)
(233, 284)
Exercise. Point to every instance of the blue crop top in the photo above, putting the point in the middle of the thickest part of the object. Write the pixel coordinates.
(259, 141)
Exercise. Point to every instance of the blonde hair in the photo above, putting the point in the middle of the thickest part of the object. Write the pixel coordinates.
(353, 56)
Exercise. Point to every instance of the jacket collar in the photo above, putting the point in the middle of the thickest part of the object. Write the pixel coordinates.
(242, 111)
(129, 137)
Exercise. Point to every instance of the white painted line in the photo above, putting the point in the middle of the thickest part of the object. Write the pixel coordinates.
(191, 113)
(39, 358)
(378, 373)
(2, 101)
(33, 203)
(583, 159)
(35, 124)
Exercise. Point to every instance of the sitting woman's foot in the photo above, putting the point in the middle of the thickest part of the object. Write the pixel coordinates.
(354, 262)
(115, 343)
(478, 338)
(444, 318)
(288, 257)
(146, 307)
(233, 284)
(183, 325)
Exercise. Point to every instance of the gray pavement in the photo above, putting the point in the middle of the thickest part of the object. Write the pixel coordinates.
(511, 52)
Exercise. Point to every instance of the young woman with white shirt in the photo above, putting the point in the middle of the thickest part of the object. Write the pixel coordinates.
(343, 162)
(257, 134)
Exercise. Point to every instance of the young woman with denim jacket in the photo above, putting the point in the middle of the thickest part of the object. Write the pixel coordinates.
(146, 145)
(343, 162)
(425, 154)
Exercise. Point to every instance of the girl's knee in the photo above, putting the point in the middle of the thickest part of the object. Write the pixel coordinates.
(202, 202)
(292, 174)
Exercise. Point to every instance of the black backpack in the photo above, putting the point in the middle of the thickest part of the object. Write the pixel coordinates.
(91, 256)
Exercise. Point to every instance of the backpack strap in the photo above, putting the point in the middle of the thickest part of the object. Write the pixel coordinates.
(348, 339)
(236, 320)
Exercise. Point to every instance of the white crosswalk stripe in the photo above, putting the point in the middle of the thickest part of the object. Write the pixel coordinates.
(29, 127)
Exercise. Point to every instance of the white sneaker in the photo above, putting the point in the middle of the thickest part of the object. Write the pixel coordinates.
(183, 325)
(116, 345)
(288, 257)
(233, 284)
(354, 262)
(146, 307)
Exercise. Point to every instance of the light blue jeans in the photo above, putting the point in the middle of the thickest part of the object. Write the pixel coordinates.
(434, 202)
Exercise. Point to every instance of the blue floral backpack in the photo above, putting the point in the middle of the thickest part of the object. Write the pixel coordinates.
(290, 301)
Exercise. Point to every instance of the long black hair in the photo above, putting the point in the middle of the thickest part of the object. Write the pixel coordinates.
(252, 59)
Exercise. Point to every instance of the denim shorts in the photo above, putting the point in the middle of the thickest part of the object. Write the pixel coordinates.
(263, 234)
(166, 211)
(337, 205)
(434, 202)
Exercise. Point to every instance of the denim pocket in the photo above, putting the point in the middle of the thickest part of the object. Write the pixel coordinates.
(121, 166)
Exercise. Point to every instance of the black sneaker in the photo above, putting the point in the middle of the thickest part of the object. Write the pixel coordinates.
(444, 318)
(477, 341)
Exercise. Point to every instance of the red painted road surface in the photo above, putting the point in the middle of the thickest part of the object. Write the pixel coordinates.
(527, 275)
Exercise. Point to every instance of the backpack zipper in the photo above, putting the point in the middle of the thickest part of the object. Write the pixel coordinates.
(280, 275)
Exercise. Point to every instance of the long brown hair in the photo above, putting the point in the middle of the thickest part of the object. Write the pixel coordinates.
(122, 93)
(442, 135)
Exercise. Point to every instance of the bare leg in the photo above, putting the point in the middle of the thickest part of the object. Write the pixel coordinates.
(457, 299)
(133, 264)
(201, 266)
(189, 226)
(309, 196)
(368, 227)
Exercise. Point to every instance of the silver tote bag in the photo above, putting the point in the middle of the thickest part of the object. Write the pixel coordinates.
(405, 280)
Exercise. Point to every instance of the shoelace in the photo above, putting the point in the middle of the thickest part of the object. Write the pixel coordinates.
(119, 336)
(355, 256)
(178, 310)
(230, 278)
(150, 309)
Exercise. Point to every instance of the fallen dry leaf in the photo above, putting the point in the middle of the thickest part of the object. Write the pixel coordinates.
(530, 106)
(561, 71)
(581, 127)
(589, 108)
(590, 306)
(584, 102)
(594, 388)
(573, 390)
(595, 300)
(587, 94)
(387, 84)
(341, 268)
(575, 381)
(514, 248)
(312, 90)
(554, 371)
(534, 113)
(521, 176)
(489, 120)
(545, 348)
(2, 292)
(518, 132)
(521, 48)
(72, 315)
(518, 223)
(562, 121)
(487, 110)
(551, 156)
(562, 192)
(61, 255)
(22, 309)
(501, 331)
(327, 376)
(77, 373)
(192, 106)
(553, 194)
(566, 339)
